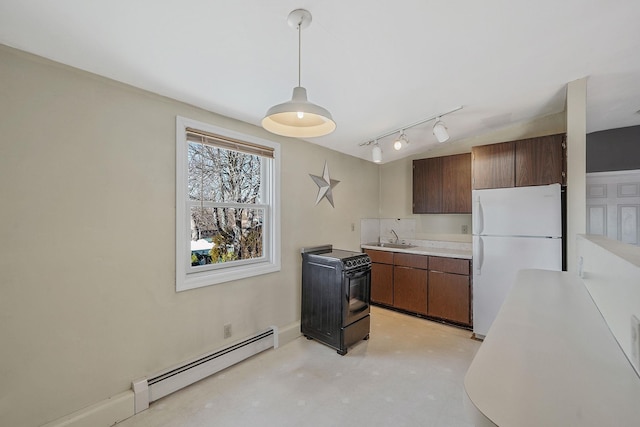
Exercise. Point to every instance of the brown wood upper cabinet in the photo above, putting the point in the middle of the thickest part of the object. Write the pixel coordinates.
(540, 161)
(494, 165)
(532, 161)
(442, 184)
(427, 185)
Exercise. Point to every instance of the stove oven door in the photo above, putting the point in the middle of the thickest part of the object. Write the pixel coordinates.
(357, 284)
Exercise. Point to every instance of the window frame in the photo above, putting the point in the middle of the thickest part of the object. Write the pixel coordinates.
(188, 278)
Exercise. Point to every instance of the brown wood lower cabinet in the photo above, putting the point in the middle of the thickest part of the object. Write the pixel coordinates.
(431, 286)
(449, 297)
(381, 276)
(382, 283)
(450, 289)
(410, 289)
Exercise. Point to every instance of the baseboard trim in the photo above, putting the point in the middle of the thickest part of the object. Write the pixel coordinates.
(101, 414)
(122, 406)
(288, 333)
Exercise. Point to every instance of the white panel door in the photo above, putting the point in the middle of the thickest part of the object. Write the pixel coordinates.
(613, 205)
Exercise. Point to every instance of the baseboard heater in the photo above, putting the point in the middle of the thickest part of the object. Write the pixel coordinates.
(147, 390)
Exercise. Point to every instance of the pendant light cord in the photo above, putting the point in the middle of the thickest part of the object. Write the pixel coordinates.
(299, 49)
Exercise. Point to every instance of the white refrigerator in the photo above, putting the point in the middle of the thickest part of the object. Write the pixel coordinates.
(513, 229)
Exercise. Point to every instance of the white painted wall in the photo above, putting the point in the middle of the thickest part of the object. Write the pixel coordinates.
(87, 250)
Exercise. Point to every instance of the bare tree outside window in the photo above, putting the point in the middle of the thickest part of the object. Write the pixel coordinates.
(228, 215)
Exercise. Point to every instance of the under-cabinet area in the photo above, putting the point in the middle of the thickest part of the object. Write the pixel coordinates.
(430, 286)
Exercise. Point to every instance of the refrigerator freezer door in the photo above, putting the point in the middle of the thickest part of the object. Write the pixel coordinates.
(520, 211)
(496, 261)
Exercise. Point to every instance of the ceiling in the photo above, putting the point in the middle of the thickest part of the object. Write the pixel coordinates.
(377, 66)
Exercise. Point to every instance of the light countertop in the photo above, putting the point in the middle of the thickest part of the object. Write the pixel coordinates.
(448, 252)
(549, 359)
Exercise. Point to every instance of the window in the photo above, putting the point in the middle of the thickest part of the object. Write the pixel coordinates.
(227, 205)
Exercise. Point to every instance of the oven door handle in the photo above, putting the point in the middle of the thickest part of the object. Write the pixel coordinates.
(362, 308)
(354, 274)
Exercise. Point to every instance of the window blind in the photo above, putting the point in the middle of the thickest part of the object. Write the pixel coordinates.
(194, 135)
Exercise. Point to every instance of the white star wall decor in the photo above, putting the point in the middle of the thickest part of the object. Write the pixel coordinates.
(325, 185)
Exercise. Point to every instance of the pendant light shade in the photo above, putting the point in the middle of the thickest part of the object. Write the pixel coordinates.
(299, 118)
(440, 131)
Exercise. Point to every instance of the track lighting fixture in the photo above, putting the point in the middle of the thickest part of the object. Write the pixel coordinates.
(299, 118)
(439, 130)
(376, 153)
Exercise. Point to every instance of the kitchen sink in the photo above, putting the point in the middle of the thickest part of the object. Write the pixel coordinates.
(393, 245)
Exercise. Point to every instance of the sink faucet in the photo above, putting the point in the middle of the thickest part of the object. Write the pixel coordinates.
(395, 234)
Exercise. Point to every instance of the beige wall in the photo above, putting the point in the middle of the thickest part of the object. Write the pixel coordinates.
(396, 177)
(576, 167)
(87, 270)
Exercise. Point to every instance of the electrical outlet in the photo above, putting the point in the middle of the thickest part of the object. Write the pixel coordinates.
(353, 227)
(227, 330)
(465, 229)
(635, 342)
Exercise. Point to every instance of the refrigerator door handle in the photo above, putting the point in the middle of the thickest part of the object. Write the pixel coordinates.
(478, 253)
(478, 217)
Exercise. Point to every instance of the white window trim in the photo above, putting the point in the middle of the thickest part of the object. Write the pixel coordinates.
(187, 279)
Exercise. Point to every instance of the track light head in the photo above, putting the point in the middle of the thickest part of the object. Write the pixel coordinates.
(440, 131)
(376, 153)
(397, 145)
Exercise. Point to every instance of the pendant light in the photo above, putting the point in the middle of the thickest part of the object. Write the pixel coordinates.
(299, 118)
